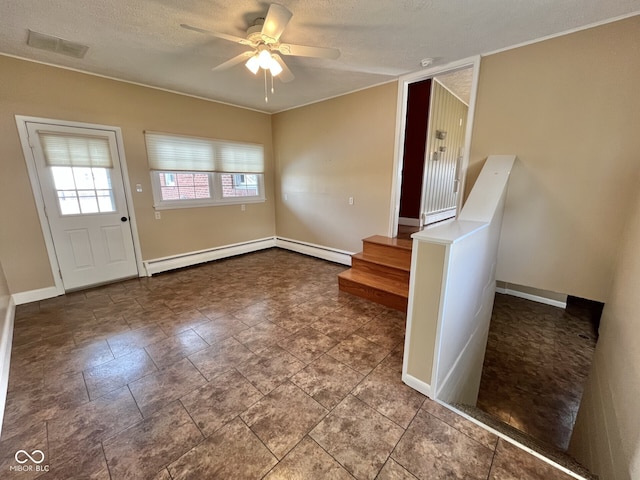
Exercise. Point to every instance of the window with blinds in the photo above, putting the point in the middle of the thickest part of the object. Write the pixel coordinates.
(81, 169)
(193, 171)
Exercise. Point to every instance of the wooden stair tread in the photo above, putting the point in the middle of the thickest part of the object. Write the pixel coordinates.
(380, 260)
(402, 243)
(376, 282)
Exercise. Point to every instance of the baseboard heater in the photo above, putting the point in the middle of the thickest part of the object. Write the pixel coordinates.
(164, 264)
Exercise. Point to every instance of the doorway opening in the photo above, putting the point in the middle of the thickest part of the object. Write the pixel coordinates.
(434, 129)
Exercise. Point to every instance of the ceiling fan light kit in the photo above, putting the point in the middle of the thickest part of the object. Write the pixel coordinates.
(263, 37)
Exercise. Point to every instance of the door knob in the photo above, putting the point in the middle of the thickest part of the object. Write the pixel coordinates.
(123, 219)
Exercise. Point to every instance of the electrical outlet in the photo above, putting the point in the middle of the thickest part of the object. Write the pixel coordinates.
(350, 200)
(158, 216)
(243, 207)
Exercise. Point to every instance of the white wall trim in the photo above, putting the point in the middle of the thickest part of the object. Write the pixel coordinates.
(440, 216)
(29, 296)
(510, 440)
(188, 259)
(6, 337)
(534, 298)
(326, 253)
(419, 385)
(563, 33)
(410, 222)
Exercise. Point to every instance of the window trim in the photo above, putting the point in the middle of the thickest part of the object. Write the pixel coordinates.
(215, 189)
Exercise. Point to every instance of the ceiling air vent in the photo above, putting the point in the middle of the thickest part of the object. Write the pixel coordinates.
(55, 44)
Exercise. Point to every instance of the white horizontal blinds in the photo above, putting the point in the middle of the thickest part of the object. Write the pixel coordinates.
(176, 153)
(64, 150)
(240, 158)
(191, 154)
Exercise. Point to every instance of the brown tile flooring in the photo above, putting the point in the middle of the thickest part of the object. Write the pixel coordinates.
(251, 367)
(535, 366)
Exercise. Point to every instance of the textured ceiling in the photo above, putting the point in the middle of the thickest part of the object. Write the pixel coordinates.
(459, 83)
(141, 40)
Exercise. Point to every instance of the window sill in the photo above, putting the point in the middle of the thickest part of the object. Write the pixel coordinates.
(220, 203)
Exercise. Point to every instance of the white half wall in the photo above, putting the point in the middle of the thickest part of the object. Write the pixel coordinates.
(7, 312)
(464, 279)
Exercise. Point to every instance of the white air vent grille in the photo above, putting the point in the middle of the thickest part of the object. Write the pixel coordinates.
(55, 44)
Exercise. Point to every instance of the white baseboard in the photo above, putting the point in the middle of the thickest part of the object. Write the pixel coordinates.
(533, 298)
(29, 296)
(326, 253)
(193, 258)
(507, 438)
(409, 222)
(440, 216)
(6, 337)
(419, 385)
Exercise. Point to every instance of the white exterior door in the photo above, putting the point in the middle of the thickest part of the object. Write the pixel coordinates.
(83, 192)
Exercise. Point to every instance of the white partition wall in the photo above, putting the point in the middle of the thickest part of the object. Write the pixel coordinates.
(452, 290)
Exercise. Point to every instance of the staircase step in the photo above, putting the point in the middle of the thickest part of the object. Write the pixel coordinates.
(382, 267)
(385, 291)
(396, 251)
(548, 451)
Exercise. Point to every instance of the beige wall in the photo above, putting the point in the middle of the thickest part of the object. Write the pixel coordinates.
(37, 90)
(568, 107)
(606, 436)
(328, 152)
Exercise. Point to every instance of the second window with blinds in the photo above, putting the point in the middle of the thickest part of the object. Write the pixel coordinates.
(195, 172)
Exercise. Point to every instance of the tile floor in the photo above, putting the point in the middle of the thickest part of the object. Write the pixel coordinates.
(250, 367)
(535, 366)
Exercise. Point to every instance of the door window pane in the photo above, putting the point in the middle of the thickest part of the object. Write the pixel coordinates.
(101, 178)
(83, 190)
(83, 177)
(68, 202)
(88, 201)
(63, 178)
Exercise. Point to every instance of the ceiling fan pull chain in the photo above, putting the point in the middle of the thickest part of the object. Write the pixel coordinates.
(266, 94)
(272, 89)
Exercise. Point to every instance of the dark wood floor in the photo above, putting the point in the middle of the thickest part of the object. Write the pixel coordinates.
(250, 367)
(535, 366)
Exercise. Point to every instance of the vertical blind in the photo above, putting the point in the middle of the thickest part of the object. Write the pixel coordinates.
(181, 153)
(64, 150)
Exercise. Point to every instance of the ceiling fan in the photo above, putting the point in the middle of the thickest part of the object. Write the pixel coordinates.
(263, 37)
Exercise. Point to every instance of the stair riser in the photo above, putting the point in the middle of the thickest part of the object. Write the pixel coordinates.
(382, 270)
(379, 296)
(399, 256)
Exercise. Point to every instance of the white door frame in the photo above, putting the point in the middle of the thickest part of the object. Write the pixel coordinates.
(21, 122)
(401, 120)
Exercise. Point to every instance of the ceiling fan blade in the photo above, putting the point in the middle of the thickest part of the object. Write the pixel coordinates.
(285, 75)
(224, 36)
(275, 22)
(305, 51)
(234, 61)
